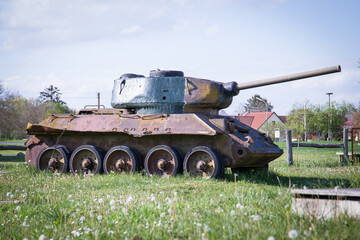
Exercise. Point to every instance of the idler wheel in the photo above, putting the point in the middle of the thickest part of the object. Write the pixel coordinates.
(121, 159)
(55, 159)
(163, 160)
(204, 162)
(86, 159)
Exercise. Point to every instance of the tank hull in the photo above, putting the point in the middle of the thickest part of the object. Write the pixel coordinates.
(237, 144)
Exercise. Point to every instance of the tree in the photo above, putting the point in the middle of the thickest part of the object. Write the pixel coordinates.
(317, 119)
(255, 105)
(355, 118)
(51, 95)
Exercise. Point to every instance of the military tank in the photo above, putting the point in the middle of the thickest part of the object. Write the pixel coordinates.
(166, 123)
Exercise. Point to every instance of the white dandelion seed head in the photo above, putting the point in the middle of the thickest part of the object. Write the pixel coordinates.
(8, 194)
(99, 217)
(206, 228)
(239, 206)
(232, 212)
(256, 217)
(271, 238)
(162, 214)
(42, 237)
(110, 232)
(112, 202)
(25, 224)
(18, 208)
(70, 196)
(108, 196)
(101, 200)
(246, 225)
(293, 234)
(82, 218)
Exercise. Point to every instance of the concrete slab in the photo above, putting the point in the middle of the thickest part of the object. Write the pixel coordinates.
(326, 203)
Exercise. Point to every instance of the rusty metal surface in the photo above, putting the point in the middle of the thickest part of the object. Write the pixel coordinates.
(132, 124)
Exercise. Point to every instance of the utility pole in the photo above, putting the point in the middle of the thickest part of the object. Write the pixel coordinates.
(305, 132)
(267, 122)
(329, 128)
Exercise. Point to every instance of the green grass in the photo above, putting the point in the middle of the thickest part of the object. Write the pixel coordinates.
(255, 206)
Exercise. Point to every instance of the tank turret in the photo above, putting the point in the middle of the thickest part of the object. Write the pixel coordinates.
(171, 92)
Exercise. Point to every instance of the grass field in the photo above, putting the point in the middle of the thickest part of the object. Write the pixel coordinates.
(255, 205)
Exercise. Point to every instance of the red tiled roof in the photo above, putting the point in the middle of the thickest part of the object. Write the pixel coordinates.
(247, 120)
(259, 118)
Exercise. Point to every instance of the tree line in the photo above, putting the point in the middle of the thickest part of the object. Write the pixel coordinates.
(16, 111)
(318, 119)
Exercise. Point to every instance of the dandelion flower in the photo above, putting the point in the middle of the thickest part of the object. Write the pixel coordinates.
(112, 202)
(271, 238)
(99, 217)
(70, 196)
(108, 196)
(42, 237)
(293, 234)
(239, 206)
(232, 212)
(82, 218)
(256, 217)
(162, 214)
(110, 232)
(101, 200)
(18, 208)
(206, 228)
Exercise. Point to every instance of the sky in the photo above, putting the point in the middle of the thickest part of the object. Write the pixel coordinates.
(81, 46)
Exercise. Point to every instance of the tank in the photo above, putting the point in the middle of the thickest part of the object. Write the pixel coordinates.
(166, 123)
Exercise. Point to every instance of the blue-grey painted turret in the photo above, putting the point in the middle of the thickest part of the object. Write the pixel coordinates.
(161, 92)
(170, 92)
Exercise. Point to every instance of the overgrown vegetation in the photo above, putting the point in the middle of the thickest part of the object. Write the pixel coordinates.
(16, 112)
(254, 205)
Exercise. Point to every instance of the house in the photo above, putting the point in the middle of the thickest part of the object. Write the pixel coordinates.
(260, 122)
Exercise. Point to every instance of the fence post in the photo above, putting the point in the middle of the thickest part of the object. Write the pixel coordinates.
(346, 146)
(289, 147)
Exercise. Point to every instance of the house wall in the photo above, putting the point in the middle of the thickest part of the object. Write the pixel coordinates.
(274, 119)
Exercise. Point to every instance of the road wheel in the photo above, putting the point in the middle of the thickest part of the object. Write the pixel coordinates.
(204, 162)
(86, 159)
(163, 160)
(55, 159)
(121, 159)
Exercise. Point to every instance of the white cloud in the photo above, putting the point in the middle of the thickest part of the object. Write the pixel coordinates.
(213, 29)
(134, 29)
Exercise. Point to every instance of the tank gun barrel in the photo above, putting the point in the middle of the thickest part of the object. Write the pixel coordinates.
(289, 78)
